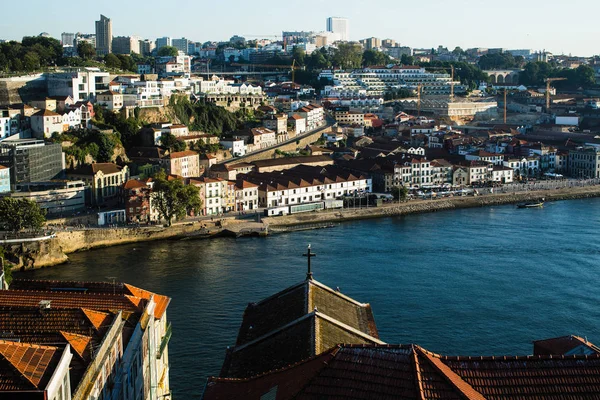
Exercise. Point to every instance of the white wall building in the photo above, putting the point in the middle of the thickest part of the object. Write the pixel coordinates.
(236, 146)
(82, 84)
(340, 26)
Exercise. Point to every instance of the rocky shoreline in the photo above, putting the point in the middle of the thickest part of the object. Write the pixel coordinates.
(55, 251)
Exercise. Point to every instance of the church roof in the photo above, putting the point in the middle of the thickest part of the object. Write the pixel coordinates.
(298, 322)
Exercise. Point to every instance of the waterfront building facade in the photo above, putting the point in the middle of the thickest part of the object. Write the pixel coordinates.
(109, 340)
(105, 181)
(584, 162)
(55, 197)
(32, 160)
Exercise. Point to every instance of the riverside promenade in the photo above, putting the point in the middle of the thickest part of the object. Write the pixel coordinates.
(55, 250)
(486, 197)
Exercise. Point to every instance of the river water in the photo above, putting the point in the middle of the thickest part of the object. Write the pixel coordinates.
(484, 281)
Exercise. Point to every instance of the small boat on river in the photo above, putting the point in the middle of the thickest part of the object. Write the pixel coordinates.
(534, 204)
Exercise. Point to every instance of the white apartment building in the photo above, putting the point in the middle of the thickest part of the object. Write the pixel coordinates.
(71, 118)
(523, 166)
(45, 122)
(216, 85)
(496, 159)
(305, 184)
(143, 94)
(236, 146)
(339, 26)
(422, 172)
(314, 115)
(212, 193)
(82, 84)
(246, 196)
(183, 163)
(174, 66)
(375, 81)
(502, 174)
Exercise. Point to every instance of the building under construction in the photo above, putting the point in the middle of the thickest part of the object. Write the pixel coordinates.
(455, 110)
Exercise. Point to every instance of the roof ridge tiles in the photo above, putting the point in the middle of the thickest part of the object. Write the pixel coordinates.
(451, 377)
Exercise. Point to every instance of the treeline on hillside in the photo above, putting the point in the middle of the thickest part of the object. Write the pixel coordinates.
(29, 55)
(500, 61)
(208, 117)
(536, 73)
(39, 52)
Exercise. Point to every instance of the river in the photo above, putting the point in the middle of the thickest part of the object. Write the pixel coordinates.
(484, 281)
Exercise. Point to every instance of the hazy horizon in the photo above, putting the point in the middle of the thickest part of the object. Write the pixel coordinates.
(512, 24)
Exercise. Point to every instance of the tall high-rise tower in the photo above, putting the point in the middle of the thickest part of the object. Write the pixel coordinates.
(103, 36)
(339, 26)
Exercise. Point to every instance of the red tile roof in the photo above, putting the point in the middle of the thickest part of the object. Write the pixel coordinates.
(411, 372)
(26, 366)
(181, 154)
(79, 343)
(162, 302)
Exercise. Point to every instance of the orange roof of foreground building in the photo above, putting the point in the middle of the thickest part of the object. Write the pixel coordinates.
(26, 367)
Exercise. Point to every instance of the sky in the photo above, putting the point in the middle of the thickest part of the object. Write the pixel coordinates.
(559, 26)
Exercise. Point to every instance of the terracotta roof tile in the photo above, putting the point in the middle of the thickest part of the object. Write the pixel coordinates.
(162, 302)
(79, 343)
(97, 319)
(26, 366)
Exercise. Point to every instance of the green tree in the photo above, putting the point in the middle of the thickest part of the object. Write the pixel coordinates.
(112, 61)
(106, 146)
(167, 51)
(348, 55)
(407, 60)
(299, 55)
(31, 61)
(173, 199)
(18, 214)
(127, 63)
(374, 57)
(86, 50)
(169, 141)
(317, 60)
(496, 61)
(586, 76)
(400, 193)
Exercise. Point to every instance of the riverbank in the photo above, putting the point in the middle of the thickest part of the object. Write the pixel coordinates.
(424, 206)
(71, 241)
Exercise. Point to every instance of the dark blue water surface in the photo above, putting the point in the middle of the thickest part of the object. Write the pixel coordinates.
(482, 281)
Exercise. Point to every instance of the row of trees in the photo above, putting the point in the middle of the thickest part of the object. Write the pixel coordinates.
(36, 53)
(173, 199)
(536, 73)
(347, 55)
(19, 214)
(31, 54)
(500, 61)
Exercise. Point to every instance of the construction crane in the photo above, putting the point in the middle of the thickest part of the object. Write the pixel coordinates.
(451, 78)
(419, 100)
(293, 67)
(505, 105)
(548, 82)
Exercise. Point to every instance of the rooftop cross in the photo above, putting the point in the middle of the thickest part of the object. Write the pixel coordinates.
(309, 255)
